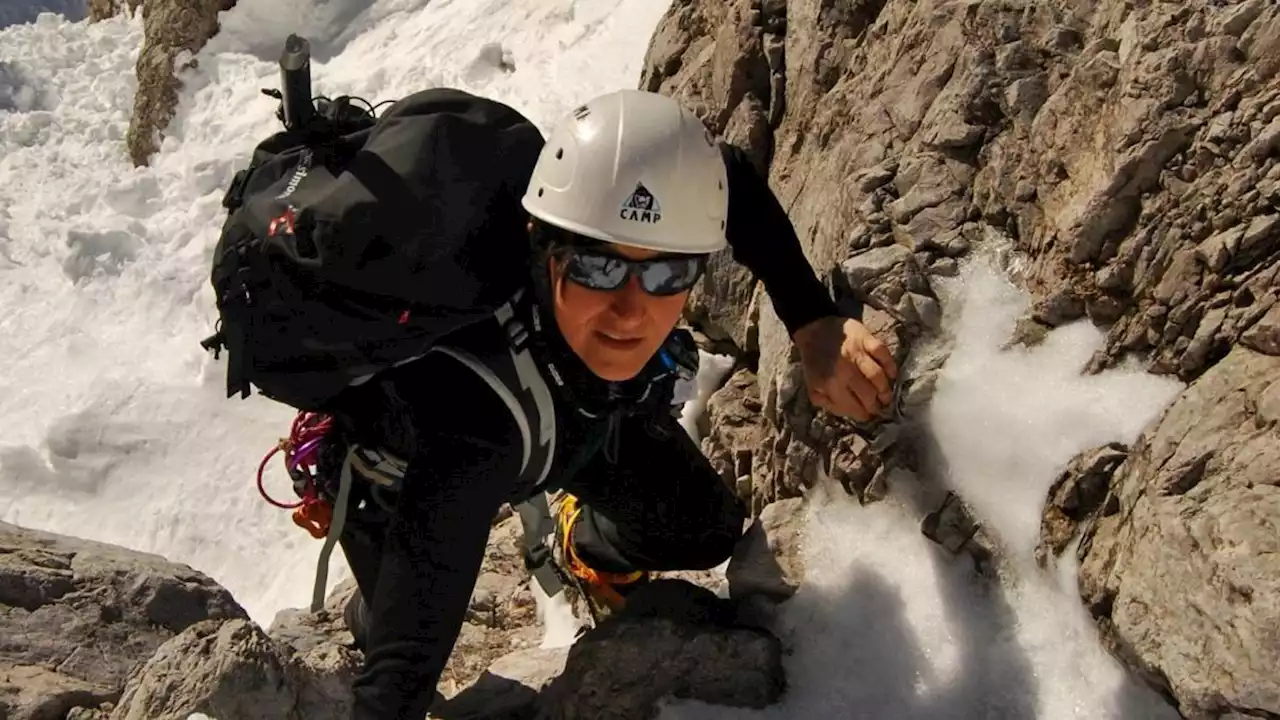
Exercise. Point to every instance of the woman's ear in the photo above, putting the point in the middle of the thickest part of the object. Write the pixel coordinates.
(555, 269)
(555, 275)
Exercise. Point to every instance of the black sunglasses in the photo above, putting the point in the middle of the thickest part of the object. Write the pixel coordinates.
(598, 270)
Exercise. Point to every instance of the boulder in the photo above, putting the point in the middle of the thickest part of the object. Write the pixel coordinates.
(508, 690)
(1181, 564)
(1076, 494)
(952, 525)
(675, 640)
(224, 669)
(76, 617)
(768, 561)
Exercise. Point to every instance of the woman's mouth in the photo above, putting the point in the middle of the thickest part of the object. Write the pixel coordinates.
(619, 342)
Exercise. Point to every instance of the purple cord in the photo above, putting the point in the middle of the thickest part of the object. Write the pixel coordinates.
(304, 454)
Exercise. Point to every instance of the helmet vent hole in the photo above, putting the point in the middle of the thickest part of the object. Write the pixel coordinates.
(540, 191)
(559, 153)
(721, 224)
(719, 184)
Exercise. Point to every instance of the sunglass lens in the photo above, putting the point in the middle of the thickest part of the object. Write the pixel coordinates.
(599, 272)
(669, 276)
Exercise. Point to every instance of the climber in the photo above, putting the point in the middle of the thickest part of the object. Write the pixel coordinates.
(573, 389)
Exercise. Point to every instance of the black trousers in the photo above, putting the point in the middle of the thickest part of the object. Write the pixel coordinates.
(656, 504)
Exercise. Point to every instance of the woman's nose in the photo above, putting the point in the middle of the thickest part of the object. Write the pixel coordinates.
(629, 300)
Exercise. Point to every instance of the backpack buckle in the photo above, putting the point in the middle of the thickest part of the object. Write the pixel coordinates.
(517, 334)
(215, 343)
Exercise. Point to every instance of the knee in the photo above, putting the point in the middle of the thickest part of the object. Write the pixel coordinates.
(716, 544)
(356, 616)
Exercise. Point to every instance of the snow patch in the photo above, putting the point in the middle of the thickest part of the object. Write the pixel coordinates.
(889, 625)
(1006, 421)
(712, 370)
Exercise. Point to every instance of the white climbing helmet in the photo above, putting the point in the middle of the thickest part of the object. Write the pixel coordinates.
(633, 168)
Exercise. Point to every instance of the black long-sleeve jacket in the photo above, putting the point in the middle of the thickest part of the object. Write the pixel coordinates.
(467, 455)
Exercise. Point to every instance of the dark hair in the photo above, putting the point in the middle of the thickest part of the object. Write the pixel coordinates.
(547, 240)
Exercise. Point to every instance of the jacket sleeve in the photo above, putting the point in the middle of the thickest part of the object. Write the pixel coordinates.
(467, 457)
(763, 240)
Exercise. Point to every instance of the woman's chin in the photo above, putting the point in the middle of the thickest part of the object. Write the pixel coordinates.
(616, 366)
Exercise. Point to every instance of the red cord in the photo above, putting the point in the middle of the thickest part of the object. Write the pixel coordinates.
(306, 427)
(262, 466)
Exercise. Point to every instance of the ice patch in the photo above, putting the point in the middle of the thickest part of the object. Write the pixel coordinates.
(19, 12)
(18, 92)
(492, 58)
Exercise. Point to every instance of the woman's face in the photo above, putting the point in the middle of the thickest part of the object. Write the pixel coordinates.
(615, 332)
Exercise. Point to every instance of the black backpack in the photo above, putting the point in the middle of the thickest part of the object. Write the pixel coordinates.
(349, 251)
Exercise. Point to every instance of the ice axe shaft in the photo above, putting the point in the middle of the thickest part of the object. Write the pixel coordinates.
(295, 82)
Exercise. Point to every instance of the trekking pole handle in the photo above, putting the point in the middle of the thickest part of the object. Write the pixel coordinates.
(295, 82)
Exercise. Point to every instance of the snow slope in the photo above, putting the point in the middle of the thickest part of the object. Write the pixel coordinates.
(115, 422)
(115, 426)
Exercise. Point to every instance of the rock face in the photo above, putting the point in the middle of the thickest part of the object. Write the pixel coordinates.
(173, 28)
(1130, 157)
(1181, 567)
(103, 9)
(1122, 159)
(76, 616)
(739, 429)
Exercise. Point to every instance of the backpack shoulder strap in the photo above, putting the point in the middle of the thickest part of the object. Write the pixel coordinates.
(509, 369)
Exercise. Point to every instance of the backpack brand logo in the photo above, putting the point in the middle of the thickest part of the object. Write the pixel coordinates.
(641, 206)
(304, 165)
